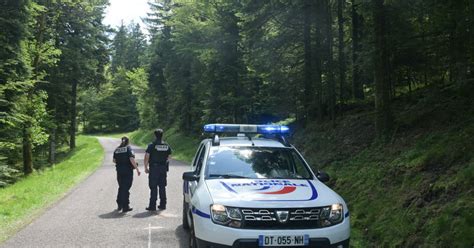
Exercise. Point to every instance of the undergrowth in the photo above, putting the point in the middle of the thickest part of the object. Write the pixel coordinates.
(415, 190)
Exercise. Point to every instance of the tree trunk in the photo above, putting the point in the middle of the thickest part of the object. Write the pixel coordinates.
(331, 82)
(341, 54)
(317, 57)
(357, 90)
(72, 131)
(27, 152)
(52, 146)
(384, 119)
(308, 77)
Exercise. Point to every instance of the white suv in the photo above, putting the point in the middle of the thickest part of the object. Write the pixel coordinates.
(246, 191)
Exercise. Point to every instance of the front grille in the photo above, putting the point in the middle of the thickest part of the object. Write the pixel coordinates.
(298, 218)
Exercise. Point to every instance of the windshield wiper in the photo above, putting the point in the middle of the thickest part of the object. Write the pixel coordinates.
(226, 176)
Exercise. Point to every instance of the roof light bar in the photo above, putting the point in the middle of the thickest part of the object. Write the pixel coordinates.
(242, 128)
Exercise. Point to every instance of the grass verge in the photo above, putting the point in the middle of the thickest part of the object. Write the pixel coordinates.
(21, 202)
(183, 147)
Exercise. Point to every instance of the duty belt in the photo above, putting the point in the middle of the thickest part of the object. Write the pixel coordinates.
(164, 163)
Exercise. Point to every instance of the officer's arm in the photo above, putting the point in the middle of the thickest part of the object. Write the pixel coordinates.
(145, 161)
(135, 165)
(170, 151)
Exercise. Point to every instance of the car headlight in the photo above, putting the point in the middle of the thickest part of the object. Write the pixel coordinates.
(331, 215)
(226, 216)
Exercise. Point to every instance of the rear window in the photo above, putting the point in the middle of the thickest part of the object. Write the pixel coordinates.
(256, 163)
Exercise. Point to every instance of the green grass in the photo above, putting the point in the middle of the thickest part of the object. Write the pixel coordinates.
(183, 147)
(416, 190)
(21, 202)
(420, 195)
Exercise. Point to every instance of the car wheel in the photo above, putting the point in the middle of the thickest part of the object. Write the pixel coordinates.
(185, 216)
(192, 238)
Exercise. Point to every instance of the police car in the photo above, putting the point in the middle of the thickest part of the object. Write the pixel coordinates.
(254, 189)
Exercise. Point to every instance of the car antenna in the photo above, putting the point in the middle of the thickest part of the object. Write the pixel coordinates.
(284, 141)
(215, 140)
(250, 139)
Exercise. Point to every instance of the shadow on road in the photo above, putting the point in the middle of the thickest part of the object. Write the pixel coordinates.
(112, 215)
(145, 214)
(183, 236)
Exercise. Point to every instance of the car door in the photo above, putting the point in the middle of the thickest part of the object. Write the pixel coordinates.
(196, 165)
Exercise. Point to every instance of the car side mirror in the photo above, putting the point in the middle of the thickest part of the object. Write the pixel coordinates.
(322, 176)
(190, 176)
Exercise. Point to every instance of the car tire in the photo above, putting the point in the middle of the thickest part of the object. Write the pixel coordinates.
(192, 238)
(185, 216)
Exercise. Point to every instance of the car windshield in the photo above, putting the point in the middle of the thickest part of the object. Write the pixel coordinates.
(256, 162)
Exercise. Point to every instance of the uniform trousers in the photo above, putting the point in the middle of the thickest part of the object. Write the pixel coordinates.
(157, 183)
(125, 180)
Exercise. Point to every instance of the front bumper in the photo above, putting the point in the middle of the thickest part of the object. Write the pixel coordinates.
(208, 232)
(251, 243)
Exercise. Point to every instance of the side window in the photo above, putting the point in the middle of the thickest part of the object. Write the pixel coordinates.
(200, 160)
(198, 153)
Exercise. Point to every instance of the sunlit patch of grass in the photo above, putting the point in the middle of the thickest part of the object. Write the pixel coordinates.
(21, 202)
(183, 147)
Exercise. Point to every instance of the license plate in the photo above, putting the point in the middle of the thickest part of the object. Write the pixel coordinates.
(283, 240)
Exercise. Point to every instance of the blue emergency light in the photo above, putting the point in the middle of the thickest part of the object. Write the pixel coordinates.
(243, 128)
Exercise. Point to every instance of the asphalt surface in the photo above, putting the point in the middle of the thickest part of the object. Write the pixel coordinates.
(86, 216)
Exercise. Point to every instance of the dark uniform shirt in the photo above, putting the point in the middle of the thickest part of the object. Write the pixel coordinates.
(122, 157)
(159, 152)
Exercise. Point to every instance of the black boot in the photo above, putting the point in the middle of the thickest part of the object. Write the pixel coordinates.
(162, 207)
(150, 208)
(119, 207)
(127, 209)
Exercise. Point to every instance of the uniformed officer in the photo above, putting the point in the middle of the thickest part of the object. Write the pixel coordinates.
(124, 159)
(156, 164)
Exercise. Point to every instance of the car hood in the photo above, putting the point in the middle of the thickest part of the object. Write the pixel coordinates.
(271, 193)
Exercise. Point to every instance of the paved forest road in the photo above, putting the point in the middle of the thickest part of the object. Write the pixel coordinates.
(86, 216)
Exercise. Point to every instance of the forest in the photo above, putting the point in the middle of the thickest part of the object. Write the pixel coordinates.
(307, 63)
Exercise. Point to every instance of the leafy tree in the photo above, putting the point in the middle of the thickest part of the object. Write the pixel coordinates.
(112, 108)
(139, 84)
(14, 74)
(82, 41)
(24, 107)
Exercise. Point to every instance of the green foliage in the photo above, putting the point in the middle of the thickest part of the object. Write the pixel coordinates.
(45, 46)
(113, 108)
(122, 103)
(414, 191)
(23, 201)
(184, 147)
(128, 46)
(138, 79)
(259, 62)
(23, 106)
(252, 61)
(7, 174)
